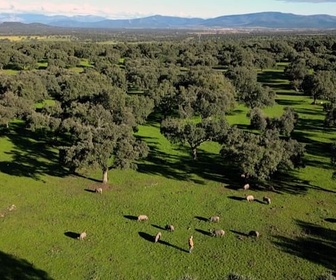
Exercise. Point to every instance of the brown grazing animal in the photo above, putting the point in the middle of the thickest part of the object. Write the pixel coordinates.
(218, 232)
(214, 219)
(157, 237)
(254, 233)
(142, 218)
(170, 227)
(99, 190)
(82, 236)
(267, 200)
(191, 244)
(246, 187)
(249, 197)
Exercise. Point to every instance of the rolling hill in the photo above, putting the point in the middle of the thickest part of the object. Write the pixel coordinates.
(254, 20)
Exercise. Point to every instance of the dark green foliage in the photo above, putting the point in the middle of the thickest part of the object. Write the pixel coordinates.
(261, 155)
(95, 139)
(13, 106)
(204, 92)
(296, 71)
(193, 133)
(285, 124)
(248, 90)
(257, 119)
(287, 121)
(330, 118)
(321, 84)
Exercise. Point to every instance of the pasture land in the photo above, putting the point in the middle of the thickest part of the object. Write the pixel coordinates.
(298, 229)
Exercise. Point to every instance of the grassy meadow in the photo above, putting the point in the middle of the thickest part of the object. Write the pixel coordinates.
(298, 229)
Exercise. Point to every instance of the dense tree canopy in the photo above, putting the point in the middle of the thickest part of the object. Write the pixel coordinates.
(261, 155)
(92, 97)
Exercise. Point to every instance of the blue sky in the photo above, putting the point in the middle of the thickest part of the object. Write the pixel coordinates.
(185, 8)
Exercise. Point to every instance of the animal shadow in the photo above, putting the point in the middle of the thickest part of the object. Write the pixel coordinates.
(239, 233)
(89, 190)
(131, 217)
(72, 234)
(204, 232)
(159, 227)
(147, 236)
(259, 201)
(330, 220)
(239, 198)
(203, 219)
(173, 246)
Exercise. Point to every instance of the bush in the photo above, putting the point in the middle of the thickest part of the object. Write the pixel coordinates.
(257, 119)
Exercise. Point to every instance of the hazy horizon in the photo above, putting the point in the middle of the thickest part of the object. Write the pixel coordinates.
(187, 8)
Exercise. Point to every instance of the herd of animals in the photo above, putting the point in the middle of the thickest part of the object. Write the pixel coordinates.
(171, 228)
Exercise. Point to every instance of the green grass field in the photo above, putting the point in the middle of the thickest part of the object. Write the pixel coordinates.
(298, 230)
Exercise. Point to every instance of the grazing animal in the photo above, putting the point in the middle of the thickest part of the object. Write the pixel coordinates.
(249, 197)
(157, 237)
(254, 233)
(214, 219)
(142, 218)
(99, 190)
(170, 227)
(82, 235)
(191, 243)
(267, 200)
(218, 232)
(12, 207)
(246, 187)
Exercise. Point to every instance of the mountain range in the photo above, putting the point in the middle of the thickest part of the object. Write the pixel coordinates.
(253, 20)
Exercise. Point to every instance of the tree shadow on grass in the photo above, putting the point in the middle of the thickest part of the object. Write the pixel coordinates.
(131, 217)
(208, 166)
(317, 244)
(267, 76)
(316, 148)
(212, 167)
(71, 234)
(288, 102)
(204, 232)
(147, 236)
(86, 177)
(15, 268)
(31, 156)
(173, 246)
(287, 183)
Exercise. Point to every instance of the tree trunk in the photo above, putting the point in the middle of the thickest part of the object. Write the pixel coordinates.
(194, 153)
(105, 176)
